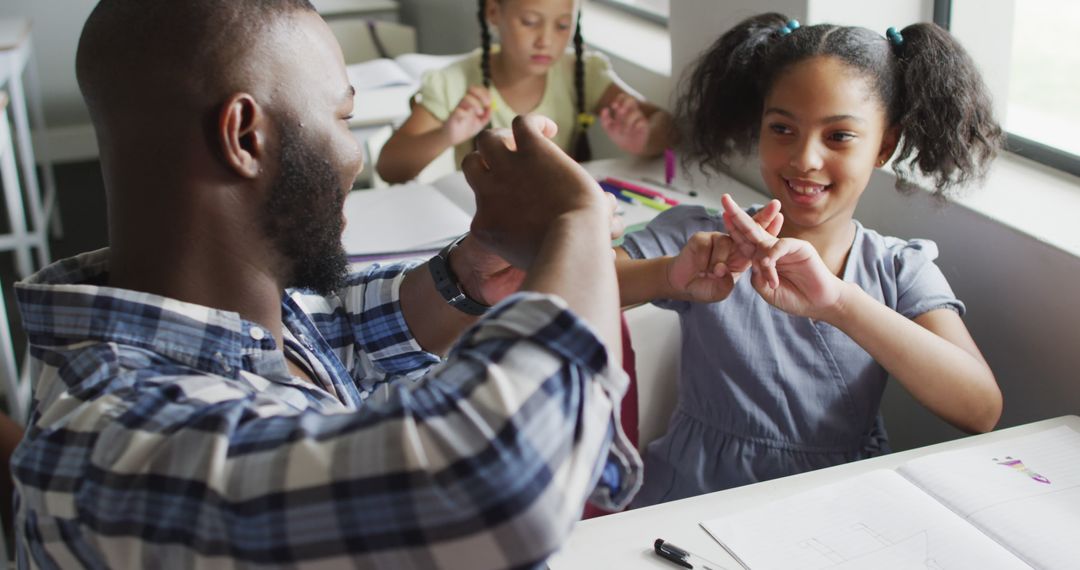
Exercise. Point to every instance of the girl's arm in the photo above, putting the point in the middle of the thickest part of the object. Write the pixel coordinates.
(637, 127)
(423, 137)
(933, 356)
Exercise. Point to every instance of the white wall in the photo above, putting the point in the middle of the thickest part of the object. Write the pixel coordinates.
(56, 28)
(1017, 288)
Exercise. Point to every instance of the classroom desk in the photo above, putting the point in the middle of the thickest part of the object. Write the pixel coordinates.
(383, 106)
(631, 170)
(625, 540)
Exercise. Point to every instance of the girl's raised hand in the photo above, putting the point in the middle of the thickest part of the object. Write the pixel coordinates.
(710, 263)
(788, 273)
(471, 115)
(626, 124)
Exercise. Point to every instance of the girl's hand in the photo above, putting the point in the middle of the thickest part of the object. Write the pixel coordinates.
(788, 273)
(471, 115)
(626, 124)
(711, 262)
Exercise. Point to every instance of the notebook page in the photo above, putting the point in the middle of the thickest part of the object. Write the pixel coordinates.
(876, 520)
(400, 219)
(377, 73)
(1024, 492)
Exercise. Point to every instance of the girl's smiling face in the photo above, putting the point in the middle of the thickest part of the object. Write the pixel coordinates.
(823, 130)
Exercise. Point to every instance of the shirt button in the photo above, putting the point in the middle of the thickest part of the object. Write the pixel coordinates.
(257, 333)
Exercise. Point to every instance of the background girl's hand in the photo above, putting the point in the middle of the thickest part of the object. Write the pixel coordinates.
(471, 115)
(788, 273)
(626, 124)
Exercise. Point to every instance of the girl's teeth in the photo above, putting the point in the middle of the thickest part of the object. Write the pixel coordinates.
(806, 190)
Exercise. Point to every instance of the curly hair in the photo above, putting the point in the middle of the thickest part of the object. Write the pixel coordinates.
(927, 84)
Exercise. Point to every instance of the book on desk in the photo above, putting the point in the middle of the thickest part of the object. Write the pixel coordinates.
(1008, 504)
(400, 221)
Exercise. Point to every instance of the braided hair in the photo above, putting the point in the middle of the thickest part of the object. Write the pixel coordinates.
(580, 149)
(485, 44)
(928, 85)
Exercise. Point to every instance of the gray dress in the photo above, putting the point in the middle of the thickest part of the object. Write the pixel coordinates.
(764, 394)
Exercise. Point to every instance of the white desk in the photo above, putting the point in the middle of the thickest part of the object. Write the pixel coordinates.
(625, 540)
(631, 170)
(383, 106)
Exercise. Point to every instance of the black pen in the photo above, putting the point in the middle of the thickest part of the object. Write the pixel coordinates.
(681, 557)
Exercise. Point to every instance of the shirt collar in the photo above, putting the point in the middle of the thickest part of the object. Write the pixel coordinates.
(66, 303)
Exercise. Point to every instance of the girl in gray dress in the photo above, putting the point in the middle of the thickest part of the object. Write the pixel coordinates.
(786, 374)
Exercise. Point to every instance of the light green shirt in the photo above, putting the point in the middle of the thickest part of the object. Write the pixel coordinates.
(441, 90)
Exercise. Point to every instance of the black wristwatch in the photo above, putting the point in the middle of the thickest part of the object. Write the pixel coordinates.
(447, 284)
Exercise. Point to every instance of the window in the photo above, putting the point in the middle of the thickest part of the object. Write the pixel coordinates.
(1040, 83)
(655, 10)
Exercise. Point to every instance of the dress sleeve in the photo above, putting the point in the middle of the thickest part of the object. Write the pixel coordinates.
(434, 94)
(921, 286)
(668, 232)
(598, 76)
(666, 235)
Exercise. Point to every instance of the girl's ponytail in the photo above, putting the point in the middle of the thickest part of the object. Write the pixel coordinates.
(945, 113)
(720, 106)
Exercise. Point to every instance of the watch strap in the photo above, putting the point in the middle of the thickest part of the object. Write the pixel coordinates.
(448, 285)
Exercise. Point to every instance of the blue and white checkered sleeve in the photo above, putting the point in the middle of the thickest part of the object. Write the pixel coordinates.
(486, 462)
(364, 322)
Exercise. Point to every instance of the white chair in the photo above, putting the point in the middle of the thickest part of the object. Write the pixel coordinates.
(16, 60)
(657, 341)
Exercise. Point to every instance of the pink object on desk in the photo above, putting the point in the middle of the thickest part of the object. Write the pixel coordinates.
(641, 190)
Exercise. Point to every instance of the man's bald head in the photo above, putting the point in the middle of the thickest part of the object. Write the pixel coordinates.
(145, 55)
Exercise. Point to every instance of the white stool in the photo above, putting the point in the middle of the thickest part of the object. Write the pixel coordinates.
(15, 61)
(17, 394)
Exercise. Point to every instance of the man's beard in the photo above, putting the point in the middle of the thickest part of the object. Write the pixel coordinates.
(303, 216)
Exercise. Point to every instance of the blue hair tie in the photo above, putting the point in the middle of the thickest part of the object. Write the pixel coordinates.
(894, 36)
(791, 26)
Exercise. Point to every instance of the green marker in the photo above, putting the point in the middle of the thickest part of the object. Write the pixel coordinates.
(646, 201)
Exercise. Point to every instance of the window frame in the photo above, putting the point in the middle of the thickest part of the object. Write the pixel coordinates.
(635, 11)
(1027, 148)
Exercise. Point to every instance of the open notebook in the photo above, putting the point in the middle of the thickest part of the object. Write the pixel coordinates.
(405, 69)
(1008, 504)
(400, 220)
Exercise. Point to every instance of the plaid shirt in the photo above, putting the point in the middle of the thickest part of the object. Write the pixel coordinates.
(171, 435)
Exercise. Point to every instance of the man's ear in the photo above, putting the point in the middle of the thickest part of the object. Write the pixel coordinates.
(241, 131)
(888, 144)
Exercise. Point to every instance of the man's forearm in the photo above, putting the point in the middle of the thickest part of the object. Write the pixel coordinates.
(434, 324)
(575, 262)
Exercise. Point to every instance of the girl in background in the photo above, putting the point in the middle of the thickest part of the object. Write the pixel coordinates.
(529, 71)
(786, 374)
